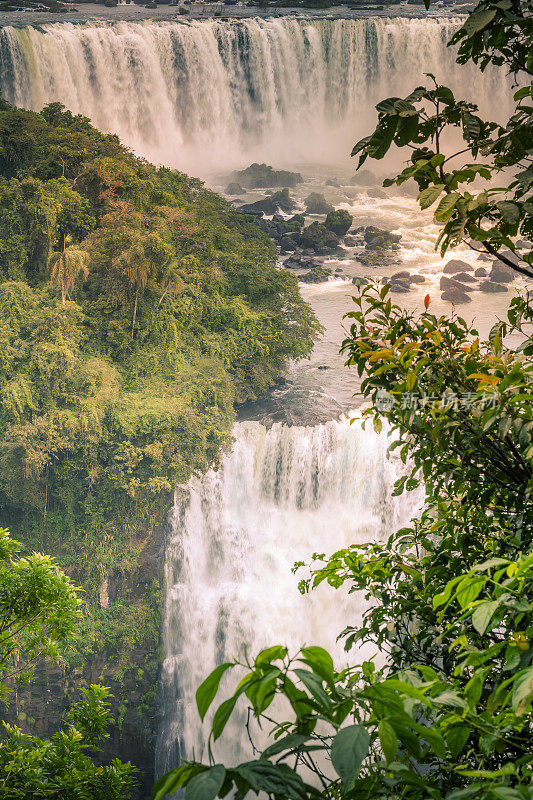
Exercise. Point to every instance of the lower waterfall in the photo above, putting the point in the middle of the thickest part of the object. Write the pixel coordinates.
(280, 495)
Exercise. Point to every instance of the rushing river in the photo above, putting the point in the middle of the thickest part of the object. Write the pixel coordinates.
(207, 97)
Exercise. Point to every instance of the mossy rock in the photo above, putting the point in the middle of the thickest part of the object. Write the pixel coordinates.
(316, 203)
(339, 222)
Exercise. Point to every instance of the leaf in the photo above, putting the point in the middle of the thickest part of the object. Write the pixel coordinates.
(206, 785)
(348, 750)
(483, 614)
(290, 742)
(270, 654)
(388, 739)
(206, 692)
(446, 206)
(523, 692)
(274, 779)
(450, 699)
(510, 211)
(314, 685)
(174, 779)
(320, 662)
(478, 20)
(456, 738)
(222, 715)
(429, 195)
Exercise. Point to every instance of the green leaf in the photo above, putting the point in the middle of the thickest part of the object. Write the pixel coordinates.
(446, 206)
(478, 20)
(290, 742)
(348, 751)
(456, 738)
(174, 779)
(510, 211)
(206, 692)
(483, 614)
(270, 654)
(523, 692)
(314, 685)
(222, 715)
(274, 779)
(320, 662)
(429, 195)
(206, 785)
(388, 739)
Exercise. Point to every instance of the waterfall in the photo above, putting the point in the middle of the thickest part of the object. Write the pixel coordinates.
(209, 94)
(280, 495)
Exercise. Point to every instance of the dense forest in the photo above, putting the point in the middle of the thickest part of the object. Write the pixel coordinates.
(137, 308)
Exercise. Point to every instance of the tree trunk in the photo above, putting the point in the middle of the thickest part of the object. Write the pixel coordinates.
(134, 311)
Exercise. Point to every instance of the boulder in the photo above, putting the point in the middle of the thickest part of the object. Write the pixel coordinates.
(484, 257)
(456, 265)
(399, 287)
(377, 238)
(456, 295)
(417, 279)
(333, 182)
(464, 277)
(351, 241)
(360, 281)
(235, 188)
(316, 275)
(501, 273)
(317, 204)
(451, 283)
(271, 205)
(481, 272)
(316, 237)
(339, 222)
(491, 288)
(364, 177)
(377, 194)
(523, 244)
(260, 176)
(401, 276)
(288, 243)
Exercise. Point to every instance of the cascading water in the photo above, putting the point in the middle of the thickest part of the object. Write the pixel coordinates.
(282, 494)
(209, 94)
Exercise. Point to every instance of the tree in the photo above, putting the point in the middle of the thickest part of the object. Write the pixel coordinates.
(66, 267)
(39, 613)
(449, 713)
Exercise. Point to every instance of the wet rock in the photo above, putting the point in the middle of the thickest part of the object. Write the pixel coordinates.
(456, 295)
(296, 223)
(464, 277)
(456, 265)
(480, 272)
(333, 182)
(339, 222)
(271, 205)
(316, 237)
(259, 176)
(484, 257)
(351, 241)
(492, 288)
(401, 276)
(377, 194)
(316, 203)
(364, 177)
(323, 366)
(417, 278)
(523, 244)
(501, 273)
(235, 188)
(316, 275)
(360, 281)
(377, 237)
(399, 287)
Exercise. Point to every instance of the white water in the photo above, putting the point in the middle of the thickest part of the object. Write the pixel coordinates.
(202, 96)
(280, 495)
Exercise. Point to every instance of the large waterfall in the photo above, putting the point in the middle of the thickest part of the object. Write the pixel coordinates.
(282, 494)
(201, 95)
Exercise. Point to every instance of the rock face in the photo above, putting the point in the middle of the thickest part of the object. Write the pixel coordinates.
(501, 273)
(260, 176)
(235, 188)
(317, 204)
(456, 265)
(339, 222)
(491, 288)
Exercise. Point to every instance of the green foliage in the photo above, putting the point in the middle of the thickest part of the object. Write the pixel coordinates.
(62, 768)
(498, 33)
(39, 610)
(448, 714)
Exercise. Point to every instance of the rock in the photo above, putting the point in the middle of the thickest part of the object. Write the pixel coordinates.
(464, 277)
(339, 222)
(480, 272)
(501, 273)
(363, 177)
(523, 244)
(333, 182)
(296, 223)
(271, 205)
(456, 265)
(323, 366)
(376, 238)
(484, 257)
(235, 188)
(265, 206)
(317, 204)
(456, 295)
(288, 243)
(316, 275)
(399, 287)
(417, 279)
(259, 176)
(401, 276)
(491, 288)
(450, 283)
(378, 194)
(319, 239)
(360, 281)
(351, 241)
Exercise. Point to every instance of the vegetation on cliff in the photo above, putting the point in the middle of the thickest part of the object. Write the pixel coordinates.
(136, 308)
